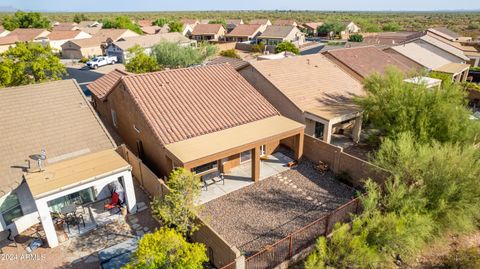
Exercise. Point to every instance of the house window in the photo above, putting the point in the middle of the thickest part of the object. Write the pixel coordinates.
(245, 156)
(319, 130)
(114, 118)
(10, 208)
(206, 167)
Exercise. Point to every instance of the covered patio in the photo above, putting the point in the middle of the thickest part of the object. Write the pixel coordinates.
(335, 122)
(63, 189)
(223, 151)
(458, 71)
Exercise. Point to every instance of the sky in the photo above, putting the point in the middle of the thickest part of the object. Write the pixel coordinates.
(192, 5)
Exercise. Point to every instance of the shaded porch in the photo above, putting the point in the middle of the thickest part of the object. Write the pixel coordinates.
(70, 195)
(241, 176)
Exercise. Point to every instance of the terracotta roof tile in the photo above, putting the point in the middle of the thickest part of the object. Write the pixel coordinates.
(62, 35)
(206, 29)
(274, 31)
(284, 23)
(183, 103)
(102, 86)
(234, 62)
(245, 30)
(366, 60)
(27, 34)
(259, 21)
(54, 116)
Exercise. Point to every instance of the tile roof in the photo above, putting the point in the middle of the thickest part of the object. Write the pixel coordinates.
(113, 34)
(62, 35)
(245, 30)
(234, 62)
(27, 34)
(88, 42)
(87, 23)
(54, 116)
(452, 68)
(274, 31)
(421, 55)
(313, 25)
(147, 41)
(391, 38)
(9, 39)
(179, 104)
(144, 23)
(151, 30)
(445, 47)
(403, 59)
(102, 86)
(367, 60)
(206, 29)
(310, 81)
(189, 21)
(447, 32)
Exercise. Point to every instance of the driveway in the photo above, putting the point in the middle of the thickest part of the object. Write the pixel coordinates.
(263, 213)
(84, 75)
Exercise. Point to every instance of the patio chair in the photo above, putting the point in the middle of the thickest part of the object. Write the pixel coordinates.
(6, 235)
(74, 220)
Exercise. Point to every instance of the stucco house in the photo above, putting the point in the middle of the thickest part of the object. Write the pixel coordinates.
(362, 62)
(433, 55)
(79, 48)
(120, 48)
(180, 118)
(60, 155)
(23, 35)
(471, 52)
(65, 26)
(277, 34)
(350, 28)
(245, 32)
(310, 28)
(208, 32)
(58, 37)
(112, 35)
(91, 27)
(265, 22)
(285, 23)
(311, 90)
(231, 24)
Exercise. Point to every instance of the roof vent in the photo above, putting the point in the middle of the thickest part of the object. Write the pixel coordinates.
(40, 158)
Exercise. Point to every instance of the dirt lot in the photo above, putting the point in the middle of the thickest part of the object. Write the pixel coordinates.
(263, 213)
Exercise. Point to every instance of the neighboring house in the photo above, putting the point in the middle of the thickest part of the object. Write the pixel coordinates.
(57, 38)
(285, 23)
(350, 28)
(234, 62)
(29, 34)
(362, 62)
(311, 90)
(231, 24)
(90, 27)
(211, 32)
(277, 34)
(311, 28)
(3, 31)
(180, 118)
(144, 23)
(265, 22)
(65, 26)
(61, 153)
(80, 48)
(188, 25)
(448, 34)
(245, 32)
(390, 38)
(433, 58)
(471, 52)
(121, 47)
(112, 35)
(152, 30)
(7, 42)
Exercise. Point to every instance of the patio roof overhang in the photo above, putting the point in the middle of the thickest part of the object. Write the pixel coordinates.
(334, 113)
(75, 172)
(452, 68)
(215, 146)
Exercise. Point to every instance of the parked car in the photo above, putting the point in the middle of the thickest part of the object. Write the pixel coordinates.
(101, 61)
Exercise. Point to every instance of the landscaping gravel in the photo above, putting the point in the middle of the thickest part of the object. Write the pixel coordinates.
(263, 213)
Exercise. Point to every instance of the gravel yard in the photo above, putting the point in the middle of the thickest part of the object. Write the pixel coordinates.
(263, 213)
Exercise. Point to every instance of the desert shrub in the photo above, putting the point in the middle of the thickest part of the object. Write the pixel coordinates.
(258, 48)
(355, 38)
(171, 55)
(230, 53)
(140, 62)
(84, 60)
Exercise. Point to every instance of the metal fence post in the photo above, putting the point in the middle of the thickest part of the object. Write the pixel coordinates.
(290, 247)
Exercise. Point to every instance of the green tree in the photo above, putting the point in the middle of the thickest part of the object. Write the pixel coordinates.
(161, 22)
(140, 62)
(122, 22)
(391, 27)
(79, 17)
(177, 209)
(28, 63)
(258, 48)
(330, 29)
(355, 38)
(393, 107)
(287, 46)
(167, 249)
(175, 26)
(171, 55)
(232, 53)
(25, 20)
(222, 22)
